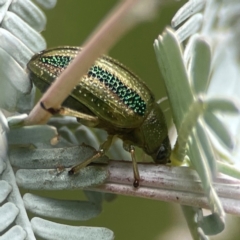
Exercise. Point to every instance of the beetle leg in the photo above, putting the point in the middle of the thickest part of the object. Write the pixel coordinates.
(131, 149)
(135, 168)
(85, 119)
(103, 148)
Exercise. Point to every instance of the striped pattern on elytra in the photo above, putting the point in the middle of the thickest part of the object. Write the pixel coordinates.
(90, 95)
(127, 95)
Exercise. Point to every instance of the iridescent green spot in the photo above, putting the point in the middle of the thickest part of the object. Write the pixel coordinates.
(58, 61)
(127, 95)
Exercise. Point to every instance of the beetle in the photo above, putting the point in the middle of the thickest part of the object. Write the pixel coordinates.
(109, 96)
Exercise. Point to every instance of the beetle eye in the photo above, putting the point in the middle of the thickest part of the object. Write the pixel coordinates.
(162, 154)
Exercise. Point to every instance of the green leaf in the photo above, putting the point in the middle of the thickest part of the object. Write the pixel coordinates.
(224, 105)
(190, 216)
(230, 170)
(51, 179)
(200, 64)
(171, 64)
(50, 230)
(200, 163)
(219, 129)
(212, 224)
(206, 147)
(74, 210)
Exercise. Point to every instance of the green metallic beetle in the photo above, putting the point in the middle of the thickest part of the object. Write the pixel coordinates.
(109, 97)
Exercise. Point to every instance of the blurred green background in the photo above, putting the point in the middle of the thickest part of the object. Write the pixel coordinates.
(70, 23)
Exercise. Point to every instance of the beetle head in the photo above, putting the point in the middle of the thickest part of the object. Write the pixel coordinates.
(163, 152)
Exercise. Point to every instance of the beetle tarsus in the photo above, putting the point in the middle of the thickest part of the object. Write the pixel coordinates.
(50, 110)
(136, 183)
(71, 172)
